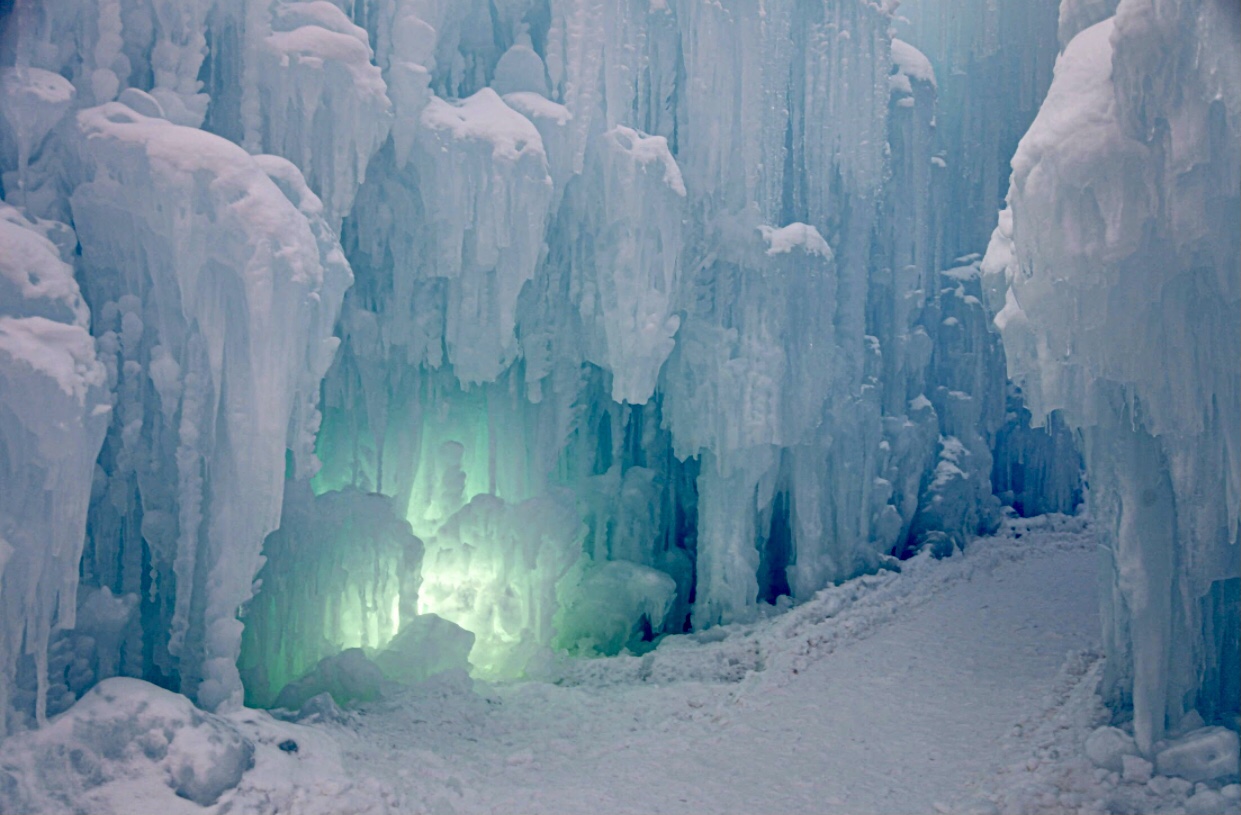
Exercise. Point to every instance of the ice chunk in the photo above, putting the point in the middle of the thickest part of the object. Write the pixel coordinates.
(1206, 802)
(1107, 747)
(1136, 770)
(1203, 755)
(426, 646)
(347, 677)
(612, 605)
(32, 101)
(520, 70)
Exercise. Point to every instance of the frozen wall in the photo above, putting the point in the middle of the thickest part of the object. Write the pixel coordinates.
(993, 63)
(637, 315)
(213, 280)
(1117, 263)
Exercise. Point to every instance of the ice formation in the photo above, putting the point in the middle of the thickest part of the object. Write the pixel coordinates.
(1115, 272)
(391, 330)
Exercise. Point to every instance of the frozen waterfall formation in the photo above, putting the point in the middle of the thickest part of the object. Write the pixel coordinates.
(1116, 270)
(422, 326)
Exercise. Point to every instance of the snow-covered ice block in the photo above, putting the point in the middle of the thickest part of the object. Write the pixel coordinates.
(1203, 755)
(486, 189)
(796, 235)
(241, 294)
(632, 295)
(324, 103)
(912, 63)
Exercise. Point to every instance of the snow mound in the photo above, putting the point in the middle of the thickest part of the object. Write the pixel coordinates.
(125, 734)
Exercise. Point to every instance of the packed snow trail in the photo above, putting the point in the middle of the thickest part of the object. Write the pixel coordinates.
(890, 693)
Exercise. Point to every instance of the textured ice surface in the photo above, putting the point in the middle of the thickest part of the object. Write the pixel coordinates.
(341, 572)
(53, 413)
(1116, 264)
(656, 317)
(1203, 755)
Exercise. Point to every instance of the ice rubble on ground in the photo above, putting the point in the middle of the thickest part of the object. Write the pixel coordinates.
(1114, 269)
(632, 328)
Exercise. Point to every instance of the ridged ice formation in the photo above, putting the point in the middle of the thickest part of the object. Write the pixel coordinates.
(637, 314)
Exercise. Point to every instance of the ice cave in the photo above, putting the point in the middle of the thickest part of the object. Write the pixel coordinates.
(620, 406)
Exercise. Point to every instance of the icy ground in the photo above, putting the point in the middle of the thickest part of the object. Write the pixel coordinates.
(961, 685)
(905, 692)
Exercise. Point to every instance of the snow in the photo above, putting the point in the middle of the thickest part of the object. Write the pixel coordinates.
(795, 236)
(484, 117)
(63, 353)
(912, 63)
(965, 684)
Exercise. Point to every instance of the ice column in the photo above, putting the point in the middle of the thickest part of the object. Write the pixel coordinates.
(217, 299)
(1120, 251)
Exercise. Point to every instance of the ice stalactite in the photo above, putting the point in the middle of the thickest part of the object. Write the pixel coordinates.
(1117, 258)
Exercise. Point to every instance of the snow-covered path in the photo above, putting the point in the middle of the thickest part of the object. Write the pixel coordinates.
(891, 693)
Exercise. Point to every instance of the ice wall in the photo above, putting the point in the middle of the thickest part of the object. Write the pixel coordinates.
(654, 318)
(993, 63)
(1117, 263)
(596, 256)
(213, 279)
